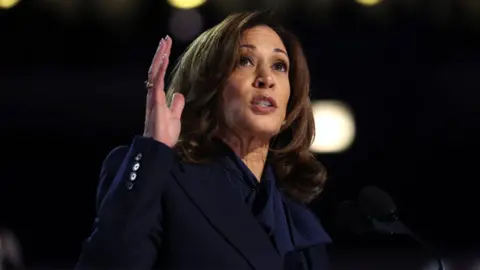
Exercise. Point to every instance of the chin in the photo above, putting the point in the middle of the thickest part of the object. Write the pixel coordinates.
(263, 129)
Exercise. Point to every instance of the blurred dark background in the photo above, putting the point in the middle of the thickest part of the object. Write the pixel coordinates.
(71, 89)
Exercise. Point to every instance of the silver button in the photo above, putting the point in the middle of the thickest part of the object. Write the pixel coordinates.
(133, 176)
(129, 185)
(136, 166)
(138, 157)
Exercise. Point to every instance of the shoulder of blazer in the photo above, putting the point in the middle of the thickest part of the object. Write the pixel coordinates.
(109, 169)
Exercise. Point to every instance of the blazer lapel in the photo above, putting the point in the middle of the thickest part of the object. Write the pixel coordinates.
(305, 227)
(209, 188)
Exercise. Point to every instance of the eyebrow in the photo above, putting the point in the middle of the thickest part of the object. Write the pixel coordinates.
(250, 46)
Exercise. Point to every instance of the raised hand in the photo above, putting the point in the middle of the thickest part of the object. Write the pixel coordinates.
(161, 122)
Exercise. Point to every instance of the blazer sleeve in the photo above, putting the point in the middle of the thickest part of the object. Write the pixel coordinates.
(127, 229)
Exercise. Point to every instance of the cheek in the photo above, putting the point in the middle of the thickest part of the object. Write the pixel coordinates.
(232, 106)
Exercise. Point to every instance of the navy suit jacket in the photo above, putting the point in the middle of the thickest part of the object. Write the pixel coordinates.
(156, 212)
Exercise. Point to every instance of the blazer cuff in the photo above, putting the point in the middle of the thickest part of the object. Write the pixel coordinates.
(138, 183)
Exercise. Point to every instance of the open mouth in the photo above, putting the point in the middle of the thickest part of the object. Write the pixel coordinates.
(263, 104)
(264, 101)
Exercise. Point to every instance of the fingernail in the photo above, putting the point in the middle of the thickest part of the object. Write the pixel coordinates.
(160, 44)
(167, 37)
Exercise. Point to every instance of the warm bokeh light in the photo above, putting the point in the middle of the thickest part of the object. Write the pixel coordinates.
(186, 4)
(5, 4)
(334, 126)
(368, 2)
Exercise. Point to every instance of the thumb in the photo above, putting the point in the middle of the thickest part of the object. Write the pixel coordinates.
(178, 103)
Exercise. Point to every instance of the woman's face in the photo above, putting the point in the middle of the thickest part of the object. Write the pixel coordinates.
(256, 94)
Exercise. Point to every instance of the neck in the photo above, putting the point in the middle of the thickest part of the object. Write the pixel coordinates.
(251, 150)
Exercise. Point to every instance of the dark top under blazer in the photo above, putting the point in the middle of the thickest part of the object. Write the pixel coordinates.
(156, 212)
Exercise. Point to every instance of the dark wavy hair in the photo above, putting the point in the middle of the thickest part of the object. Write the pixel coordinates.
(200, 75)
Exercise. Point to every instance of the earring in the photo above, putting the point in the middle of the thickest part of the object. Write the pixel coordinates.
(284, 122)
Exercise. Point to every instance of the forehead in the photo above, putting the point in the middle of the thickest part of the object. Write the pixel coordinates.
(262, 35)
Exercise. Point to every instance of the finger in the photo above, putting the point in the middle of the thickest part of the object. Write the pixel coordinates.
(163, 61)
(178, 103)
(157, 58)
(159, 83)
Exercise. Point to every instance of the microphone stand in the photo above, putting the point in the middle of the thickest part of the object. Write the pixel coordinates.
(397, 227)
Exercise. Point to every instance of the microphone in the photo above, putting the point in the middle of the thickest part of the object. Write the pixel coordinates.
(350, 219)
(381, 210)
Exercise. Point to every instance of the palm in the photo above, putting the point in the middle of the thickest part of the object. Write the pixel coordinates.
(168, 128)
(161, 122)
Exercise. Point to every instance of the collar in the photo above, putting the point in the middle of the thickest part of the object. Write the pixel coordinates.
(305, 228)
(234, 164)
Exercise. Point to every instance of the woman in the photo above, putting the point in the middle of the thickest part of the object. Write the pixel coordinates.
(227, 186)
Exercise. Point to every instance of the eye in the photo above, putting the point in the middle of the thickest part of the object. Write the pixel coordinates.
(280, 66)
(245, 61)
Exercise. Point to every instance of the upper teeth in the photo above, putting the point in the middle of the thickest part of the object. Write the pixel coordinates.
(264, 103)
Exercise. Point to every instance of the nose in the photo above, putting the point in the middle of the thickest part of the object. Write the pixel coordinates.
(264, 80)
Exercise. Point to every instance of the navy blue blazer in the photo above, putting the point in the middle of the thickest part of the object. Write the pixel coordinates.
(156, 212)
